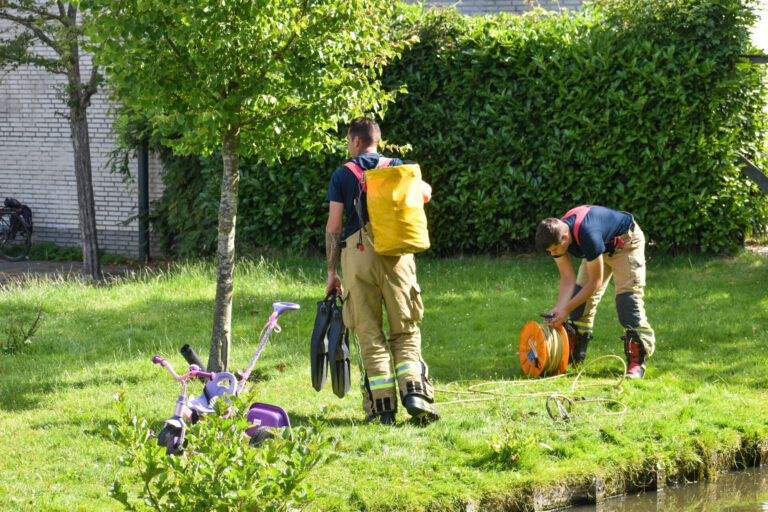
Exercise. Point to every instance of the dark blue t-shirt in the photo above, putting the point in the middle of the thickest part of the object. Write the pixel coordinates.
(599, 227)
(344, 188)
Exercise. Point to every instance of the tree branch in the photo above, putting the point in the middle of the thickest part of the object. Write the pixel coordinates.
(278, 55)
(29, 24)
(185, 64)
(90, 89)
(15, 52)
(43, 14)
(262, 119)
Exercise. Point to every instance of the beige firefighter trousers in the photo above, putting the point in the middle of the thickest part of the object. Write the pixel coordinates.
(371, 280)
(627, 267)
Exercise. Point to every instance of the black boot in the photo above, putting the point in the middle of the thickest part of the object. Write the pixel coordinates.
(385, 418)
(577, 343)
(418, 407)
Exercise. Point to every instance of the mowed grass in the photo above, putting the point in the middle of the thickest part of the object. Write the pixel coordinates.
(704, 394)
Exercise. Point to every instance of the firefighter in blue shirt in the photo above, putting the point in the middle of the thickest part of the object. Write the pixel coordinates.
(371, 280)
(611, 244)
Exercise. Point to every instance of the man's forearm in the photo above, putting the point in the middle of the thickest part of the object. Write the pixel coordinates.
(565, 292)
(581, 297)
(332, 250)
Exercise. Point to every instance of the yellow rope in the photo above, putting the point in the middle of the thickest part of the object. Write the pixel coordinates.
(555, 346)
(556, 400)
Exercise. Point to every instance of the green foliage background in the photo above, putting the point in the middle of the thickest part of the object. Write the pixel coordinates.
(638, 106)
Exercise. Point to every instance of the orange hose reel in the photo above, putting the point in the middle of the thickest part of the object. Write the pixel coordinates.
(540, 347)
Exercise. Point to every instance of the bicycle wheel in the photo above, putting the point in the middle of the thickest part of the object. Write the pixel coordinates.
(15, 238)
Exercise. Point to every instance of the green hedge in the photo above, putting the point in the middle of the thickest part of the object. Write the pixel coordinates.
(639, 106)
(279, 208)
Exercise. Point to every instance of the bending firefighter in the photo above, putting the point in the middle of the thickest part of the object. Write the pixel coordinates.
(372, 280)
(611, 244)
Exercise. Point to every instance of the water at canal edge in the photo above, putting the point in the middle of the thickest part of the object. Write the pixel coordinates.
(737, 491)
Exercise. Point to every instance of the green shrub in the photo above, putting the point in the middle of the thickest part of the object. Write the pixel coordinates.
(218, 471)
(513, 450)
(638, 106)
(632, 107)
(278, 207)
(19, 331)
(48, 251)
(106, 258)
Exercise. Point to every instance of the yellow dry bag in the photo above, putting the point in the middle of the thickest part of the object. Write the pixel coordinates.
(395, 208)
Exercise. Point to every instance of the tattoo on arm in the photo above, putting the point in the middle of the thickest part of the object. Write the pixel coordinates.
(332, 249)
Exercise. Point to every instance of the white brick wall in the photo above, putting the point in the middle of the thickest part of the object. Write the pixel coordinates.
(37, 163)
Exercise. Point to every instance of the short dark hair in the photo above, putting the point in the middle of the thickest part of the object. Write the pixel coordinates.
(548, 233)
(367, 129)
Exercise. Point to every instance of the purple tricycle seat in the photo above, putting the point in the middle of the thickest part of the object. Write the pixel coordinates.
(266, 415)
(216, 387)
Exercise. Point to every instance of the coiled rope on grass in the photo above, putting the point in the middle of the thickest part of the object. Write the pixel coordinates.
(554, 359)
(560, 405)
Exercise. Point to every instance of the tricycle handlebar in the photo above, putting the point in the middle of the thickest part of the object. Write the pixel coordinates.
(280, 307)
(194, 371)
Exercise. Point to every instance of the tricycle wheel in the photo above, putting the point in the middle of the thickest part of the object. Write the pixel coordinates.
(166, 436)
(262, 434)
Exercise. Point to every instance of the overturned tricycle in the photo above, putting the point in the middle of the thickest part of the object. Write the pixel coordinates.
(264, 418)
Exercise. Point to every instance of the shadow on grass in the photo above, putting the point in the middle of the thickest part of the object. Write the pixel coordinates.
(302, 420)
(65, 355)
(470, 331)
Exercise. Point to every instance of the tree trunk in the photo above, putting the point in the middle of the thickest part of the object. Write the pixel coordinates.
(218, 359)
(85, 201)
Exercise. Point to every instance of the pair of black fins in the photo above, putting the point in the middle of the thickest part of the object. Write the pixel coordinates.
(330, 346)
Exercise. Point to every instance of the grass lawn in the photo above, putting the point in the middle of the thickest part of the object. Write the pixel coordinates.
(703, 400)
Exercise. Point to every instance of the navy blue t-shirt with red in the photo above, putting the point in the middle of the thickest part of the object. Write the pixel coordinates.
(344, 188)
(597, 230)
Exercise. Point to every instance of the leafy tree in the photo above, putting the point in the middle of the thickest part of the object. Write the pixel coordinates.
(251, 78)
(55, 25)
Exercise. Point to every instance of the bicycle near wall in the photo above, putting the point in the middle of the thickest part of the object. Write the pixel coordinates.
(15, 230)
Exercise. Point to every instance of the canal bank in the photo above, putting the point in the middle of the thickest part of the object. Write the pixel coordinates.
(649, 486)
(742, 491)
(713, 471)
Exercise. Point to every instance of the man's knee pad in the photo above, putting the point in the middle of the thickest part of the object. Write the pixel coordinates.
(629, 310)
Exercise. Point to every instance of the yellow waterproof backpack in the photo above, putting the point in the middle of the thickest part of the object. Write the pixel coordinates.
(395, 207)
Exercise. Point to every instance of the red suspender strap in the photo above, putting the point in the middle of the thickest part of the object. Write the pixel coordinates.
(358, 172)
(580, 212)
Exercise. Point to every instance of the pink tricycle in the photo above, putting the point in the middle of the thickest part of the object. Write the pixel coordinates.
(265, 418)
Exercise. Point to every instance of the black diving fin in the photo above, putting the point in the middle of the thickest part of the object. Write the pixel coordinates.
(338, 350)
(340, 379)
(319, 345)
